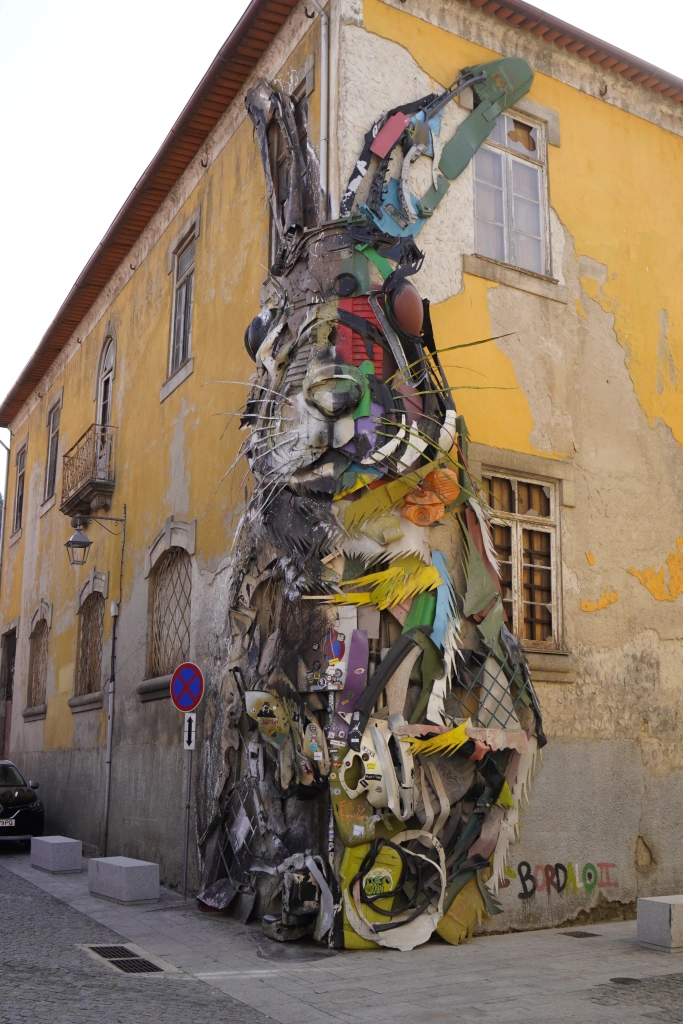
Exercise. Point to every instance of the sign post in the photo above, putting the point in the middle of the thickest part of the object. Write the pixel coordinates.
(187, 690)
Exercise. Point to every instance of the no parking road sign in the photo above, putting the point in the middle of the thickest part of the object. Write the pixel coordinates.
(187, 687)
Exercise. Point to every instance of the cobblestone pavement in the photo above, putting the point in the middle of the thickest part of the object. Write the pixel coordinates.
(662, 997)
(558, 976)
(47, 979)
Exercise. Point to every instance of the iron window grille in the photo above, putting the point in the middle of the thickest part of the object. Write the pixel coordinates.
(171, 601)
(510, 195)
(181, 333)
(525, 536)
(52, 450)
(91, 640)
(488, 689)
(20, 489)
(38, 664)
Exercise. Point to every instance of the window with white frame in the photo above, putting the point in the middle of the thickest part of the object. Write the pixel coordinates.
(510, 195)
(524, 528)
(19, 488)
(181, 330)
(105, 382)
(53, 418)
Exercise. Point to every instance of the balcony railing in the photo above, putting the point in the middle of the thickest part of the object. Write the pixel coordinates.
(88, 471)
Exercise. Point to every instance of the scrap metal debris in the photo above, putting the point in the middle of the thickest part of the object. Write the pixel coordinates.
(378, 759)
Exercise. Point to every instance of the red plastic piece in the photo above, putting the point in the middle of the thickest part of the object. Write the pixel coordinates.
(389, 134)
(351, 347)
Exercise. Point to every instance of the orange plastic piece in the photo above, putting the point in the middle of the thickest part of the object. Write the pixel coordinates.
(444, 483)
(422, 507)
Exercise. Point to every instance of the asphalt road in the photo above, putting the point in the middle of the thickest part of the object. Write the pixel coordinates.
(48, 979)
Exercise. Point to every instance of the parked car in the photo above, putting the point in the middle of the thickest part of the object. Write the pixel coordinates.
(21, 812)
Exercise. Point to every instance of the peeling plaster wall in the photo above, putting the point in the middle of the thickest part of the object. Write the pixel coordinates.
(591, 378)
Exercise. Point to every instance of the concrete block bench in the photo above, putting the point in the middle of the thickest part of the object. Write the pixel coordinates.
(56, 854)
(124, 879)
(660, 923)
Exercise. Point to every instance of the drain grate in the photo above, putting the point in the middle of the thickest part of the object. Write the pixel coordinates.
(126, 960)
(113, 952)
(626, 981)
(583, 935)
(136, 966)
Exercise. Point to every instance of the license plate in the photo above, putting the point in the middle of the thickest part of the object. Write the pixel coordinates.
(7, 823)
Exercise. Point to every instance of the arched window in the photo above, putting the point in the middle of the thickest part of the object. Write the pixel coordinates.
(38, 664)
(91, 637)
(104, 387)
(171, 594)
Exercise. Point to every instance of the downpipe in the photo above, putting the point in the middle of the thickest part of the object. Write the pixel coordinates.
(110, 726)
(324, 104)
(114, 611)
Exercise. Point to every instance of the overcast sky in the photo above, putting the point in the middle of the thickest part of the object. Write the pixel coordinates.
(89, 90)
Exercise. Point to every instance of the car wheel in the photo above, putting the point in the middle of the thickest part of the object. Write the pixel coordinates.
(26, 844)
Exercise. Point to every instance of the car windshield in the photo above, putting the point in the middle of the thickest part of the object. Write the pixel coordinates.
(9, 776)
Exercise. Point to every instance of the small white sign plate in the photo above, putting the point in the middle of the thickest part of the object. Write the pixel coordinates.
(189, 730)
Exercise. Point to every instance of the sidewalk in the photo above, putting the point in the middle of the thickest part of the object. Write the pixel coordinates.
(529, 977)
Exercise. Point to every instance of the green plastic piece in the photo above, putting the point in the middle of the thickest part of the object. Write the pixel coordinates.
(431, 667)
(363, 408)
(507, 80)
(422, 611)
(383, 265)
(481, 589)
(489, 629)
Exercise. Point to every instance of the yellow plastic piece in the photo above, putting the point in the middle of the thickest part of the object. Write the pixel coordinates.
(457, 925)
(383, 875)
(446, 743)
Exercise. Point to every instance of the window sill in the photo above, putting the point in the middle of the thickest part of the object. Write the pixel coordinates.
(552, 666)
(35, 714)
(154, 689)
(181, 374)
(14, 537)
(47, 505)
(515, 277)
(86, 702)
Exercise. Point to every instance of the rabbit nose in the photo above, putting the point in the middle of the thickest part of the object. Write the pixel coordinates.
(334, 389)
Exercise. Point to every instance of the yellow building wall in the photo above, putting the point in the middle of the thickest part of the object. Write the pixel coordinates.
(634, 227)
(172, 457)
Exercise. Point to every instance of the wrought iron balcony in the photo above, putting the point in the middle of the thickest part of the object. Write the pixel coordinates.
(88, 471)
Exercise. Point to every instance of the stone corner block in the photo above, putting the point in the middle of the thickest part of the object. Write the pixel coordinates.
(124, 879)
(56, 853)
(660, 923)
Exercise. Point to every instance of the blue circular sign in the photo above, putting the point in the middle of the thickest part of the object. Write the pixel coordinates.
(187, 687)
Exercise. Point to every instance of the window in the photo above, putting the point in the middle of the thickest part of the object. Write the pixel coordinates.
(91, 638)
(38, 664)
(509, 196)
(181, 333)
(10, 776)
(524, 528)
(20, 488)
(171, 592)
(52, 449)
(105, 384)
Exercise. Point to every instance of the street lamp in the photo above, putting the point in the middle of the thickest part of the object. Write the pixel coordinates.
(78, 544)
